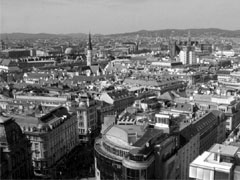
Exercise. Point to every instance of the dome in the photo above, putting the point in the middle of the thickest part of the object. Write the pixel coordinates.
(69, 51)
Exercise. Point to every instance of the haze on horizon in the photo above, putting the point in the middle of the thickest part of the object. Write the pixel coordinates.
(115, 16)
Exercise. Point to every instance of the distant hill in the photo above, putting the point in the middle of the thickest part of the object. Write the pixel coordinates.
(24, 36)
(144, 33)
(182, 32)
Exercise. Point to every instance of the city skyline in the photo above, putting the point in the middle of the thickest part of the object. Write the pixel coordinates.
(115, 16)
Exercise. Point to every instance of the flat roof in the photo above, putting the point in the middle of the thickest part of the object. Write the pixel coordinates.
(226, 150)
(206, 161)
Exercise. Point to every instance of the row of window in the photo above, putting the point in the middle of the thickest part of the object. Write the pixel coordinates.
(115, 151)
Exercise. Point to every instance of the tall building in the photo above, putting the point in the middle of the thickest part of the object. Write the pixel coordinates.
(187, 55)
(192, 57)
(173, 48)
(190, 144)
(15, 53)
(87, 118)
(89, 51)
(52, 136)
(15, 151)
(195, 136)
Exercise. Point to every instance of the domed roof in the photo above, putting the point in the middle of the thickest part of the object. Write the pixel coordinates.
(69, 51)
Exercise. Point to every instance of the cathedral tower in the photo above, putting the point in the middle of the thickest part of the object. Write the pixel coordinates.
(89, 51)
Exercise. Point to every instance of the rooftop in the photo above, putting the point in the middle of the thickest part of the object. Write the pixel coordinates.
(124, 135)
(151, 133)
(225, 149)
(205, 161)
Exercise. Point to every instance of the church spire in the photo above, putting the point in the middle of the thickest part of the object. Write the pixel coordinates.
(89, 42)
(189, 38)
(89, 51)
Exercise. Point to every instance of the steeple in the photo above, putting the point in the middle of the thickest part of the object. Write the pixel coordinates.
(89, 51)
(89, 42)
(189, 38)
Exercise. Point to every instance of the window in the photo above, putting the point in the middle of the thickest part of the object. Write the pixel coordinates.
(132, 174)
(36, 145)
(220, 175)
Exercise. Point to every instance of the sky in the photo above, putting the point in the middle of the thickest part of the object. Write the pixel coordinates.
(116, 16)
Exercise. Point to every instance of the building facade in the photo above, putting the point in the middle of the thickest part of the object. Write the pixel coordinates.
(89, 51)
(132, 152)
(15, 152)
(87, 118)
(52, 136)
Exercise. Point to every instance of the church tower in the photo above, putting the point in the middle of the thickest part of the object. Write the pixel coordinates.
(189, 41)
(89, 51)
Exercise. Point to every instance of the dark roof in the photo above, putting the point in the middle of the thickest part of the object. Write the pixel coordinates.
(148, 135)
(119, 94)
(184, 107)
(205, 123)
(57, 112)
(187, 133)
(82, 78)
(150, 101)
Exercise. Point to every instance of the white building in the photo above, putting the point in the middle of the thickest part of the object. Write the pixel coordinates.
(220, 162)
(183, 56)
(187, 57)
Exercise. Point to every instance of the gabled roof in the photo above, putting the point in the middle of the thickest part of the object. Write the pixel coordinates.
(167, 96)
(95, 68)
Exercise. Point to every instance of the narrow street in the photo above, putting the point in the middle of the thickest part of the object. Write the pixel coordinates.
(79, 163)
